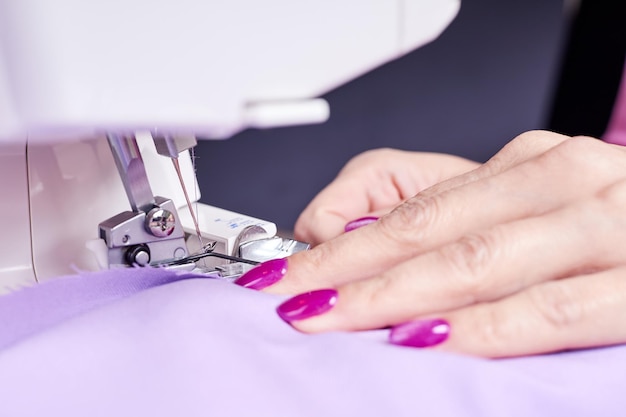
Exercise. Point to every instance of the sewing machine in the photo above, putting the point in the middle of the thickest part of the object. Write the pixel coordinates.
(101, 103)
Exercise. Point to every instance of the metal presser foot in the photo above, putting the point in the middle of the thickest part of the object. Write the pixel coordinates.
(151, 234)
(151, 230)
(251, 250)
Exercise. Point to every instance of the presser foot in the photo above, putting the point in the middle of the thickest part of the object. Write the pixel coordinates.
(128, 240)
(250, 254)
(143, 237)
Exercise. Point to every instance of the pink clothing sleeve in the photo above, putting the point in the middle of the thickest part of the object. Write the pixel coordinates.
(616, 130)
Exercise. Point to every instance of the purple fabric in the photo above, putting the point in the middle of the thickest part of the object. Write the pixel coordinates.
(34, 309)
(202, 347)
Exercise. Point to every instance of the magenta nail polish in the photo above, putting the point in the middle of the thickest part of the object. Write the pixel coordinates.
(307, 305)
(263, 275)
(363, 221)
(420, 333)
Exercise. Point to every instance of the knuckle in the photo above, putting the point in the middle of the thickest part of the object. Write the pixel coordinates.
(556, 304)
(614, 195)
(491, 333)
(529, 139)
(377, 291)
(518, 148)
(576, 144)
(410, 222)
(524, 141)
(470, 260)
(595, 161)
(317, 257)
(578, 150)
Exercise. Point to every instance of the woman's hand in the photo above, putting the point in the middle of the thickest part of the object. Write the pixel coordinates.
(523, 255)
(371, 185)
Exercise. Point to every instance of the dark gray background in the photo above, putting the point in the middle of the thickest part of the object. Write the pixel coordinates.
(489, 77)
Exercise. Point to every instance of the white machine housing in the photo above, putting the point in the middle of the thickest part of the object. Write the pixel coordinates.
(71, 71)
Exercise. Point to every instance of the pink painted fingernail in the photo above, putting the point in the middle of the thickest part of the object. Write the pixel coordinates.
(263, 275)
(363, 221)
(420, 333)
(307, 305)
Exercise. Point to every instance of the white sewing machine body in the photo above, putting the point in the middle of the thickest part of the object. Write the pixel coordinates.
(72, 72)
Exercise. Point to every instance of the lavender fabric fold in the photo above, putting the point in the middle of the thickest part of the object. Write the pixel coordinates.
(156, 343)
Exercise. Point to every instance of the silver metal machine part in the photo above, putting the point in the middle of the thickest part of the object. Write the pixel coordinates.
(249, 234)
(151, 234)
(132, 171)
(172, 146)
(271, 248)
(151, 231)
(130, 242)
(160, 222)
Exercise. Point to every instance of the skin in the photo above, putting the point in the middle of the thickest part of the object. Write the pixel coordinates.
(522, 255)
(376, 182)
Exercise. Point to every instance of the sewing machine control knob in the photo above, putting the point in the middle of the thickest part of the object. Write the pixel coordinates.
(160, 222)
(138, 255)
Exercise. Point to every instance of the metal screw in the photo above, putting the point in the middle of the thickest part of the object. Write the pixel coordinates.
(160, 222)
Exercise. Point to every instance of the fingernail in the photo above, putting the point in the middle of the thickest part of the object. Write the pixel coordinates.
(307, 305)
(420, 333)
(263, 275)
(363, 221)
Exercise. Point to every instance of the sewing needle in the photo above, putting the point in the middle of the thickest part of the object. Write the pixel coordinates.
(182, 184)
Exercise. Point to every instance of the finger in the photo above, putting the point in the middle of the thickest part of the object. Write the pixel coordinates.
(322, 221)
(523, 148)
(424, 223)
(585, 311)
(485, 266)
(370, 184)
(328, 213)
